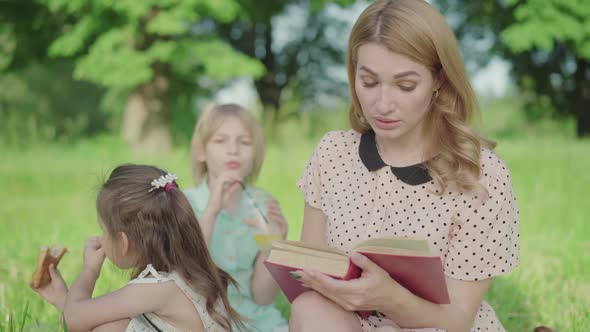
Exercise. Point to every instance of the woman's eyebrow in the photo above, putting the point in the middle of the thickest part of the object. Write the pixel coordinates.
(365, 68)
(406, 73)
(396, 76)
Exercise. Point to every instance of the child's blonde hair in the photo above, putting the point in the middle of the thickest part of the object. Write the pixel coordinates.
(210, 120)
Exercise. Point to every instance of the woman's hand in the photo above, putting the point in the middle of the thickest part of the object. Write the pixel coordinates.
(372, 291)
(56, 291)
(278, 224)
(93, 255)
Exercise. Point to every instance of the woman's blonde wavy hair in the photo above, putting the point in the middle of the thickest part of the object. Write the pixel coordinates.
(415, 29)
(209, 121)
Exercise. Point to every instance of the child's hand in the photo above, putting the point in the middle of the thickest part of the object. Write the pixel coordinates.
(93, 255)
(275, 216)
(222, 188)
(55, 291)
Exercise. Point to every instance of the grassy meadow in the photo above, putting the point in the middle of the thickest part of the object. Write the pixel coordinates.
(48, 190)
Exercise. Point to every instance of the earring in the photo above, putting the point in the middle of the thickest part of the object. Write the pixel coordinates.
(434, 96)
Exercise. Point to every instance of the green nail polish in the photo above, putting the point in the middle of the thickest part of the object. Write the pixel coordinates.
(295, 275)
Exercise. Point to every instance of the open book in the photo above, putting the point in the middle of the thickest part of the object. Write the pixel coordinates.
(408, 261)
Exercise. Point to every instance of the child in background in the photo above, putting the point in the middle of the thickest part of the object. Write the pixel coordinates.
(148, 225)
(227, 154)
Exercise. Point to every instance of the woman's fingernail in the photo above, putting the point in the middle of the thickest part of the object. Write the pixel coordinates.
(295, 275)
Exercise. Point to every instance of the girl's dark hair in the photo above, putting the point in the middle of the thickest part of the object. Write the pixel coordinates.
(163, 230)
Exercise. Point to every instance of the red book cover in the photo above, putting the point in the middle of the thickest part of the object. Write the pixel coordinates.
(421, 275)
(292, 287)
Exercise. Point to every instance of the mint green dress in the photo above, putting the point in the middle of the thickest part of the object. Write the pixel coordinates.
(233, 249)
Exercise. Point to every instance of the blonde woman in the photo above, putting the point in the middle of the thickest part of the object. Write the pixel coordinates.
(227, 154)
(410, 166)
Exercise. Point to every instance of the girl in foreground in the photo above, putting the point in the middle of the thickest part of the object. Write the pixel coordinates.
(148, 226)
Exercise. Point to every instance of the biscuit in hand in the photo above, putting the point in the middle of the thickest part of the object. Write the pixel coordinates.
(46, 257)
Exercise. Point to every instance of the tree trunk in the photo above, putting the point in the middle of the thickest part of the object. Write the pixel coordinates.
(145, 121)
(270, 95)
(582, 99)
(268, 88)
(583, 118)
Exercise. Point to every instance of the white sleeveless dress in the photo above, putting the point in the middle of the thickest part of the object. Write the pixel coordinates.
(149, 322)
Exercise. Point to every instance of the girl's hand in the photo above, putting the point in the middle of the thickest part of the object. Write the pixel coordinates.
(93, 255)
(222, 188)
(372, 291)
(275, 216)
(56, 291)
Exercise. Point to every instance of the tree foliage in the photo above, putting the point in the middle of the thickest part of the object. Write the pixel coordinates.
(547, 44)
(153, 51)
(117, 43)
(302, 62)
(153, 56)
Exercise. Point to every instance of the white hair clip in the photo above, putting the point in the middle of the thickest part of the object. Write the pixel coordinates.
(164, 181)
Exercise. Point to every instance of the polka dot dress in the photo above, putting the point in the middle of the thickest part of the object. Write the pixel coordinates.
(476, 234)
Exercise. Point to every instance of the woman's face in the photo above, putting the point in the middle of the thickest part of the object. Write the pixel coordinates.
(230, 149)
(394, 92)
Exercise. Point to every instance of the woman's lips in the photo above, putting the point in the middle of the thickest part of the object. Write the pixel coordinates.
(386, 124)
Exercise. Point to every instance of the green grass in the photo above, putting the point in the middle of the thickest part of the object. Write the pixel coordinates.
(47, 194)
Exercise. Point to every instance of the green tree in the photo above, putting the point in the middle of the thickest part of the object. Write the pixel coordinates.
(305, 60)
(42, 102)
(547, 43)
(39, 99)
(151, 51)
(560, 31)
(27, 28)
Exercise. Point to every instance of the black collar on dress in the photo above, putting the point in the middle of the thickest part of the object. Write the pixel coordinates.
(413, 175)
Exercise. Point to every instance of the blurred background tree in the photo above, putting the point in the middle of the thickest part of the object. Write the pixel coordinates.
(547, 44)
(150, 52)
(79, 68)
(303, 62)
(147, 51)
(38, 93)
(152, 57)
